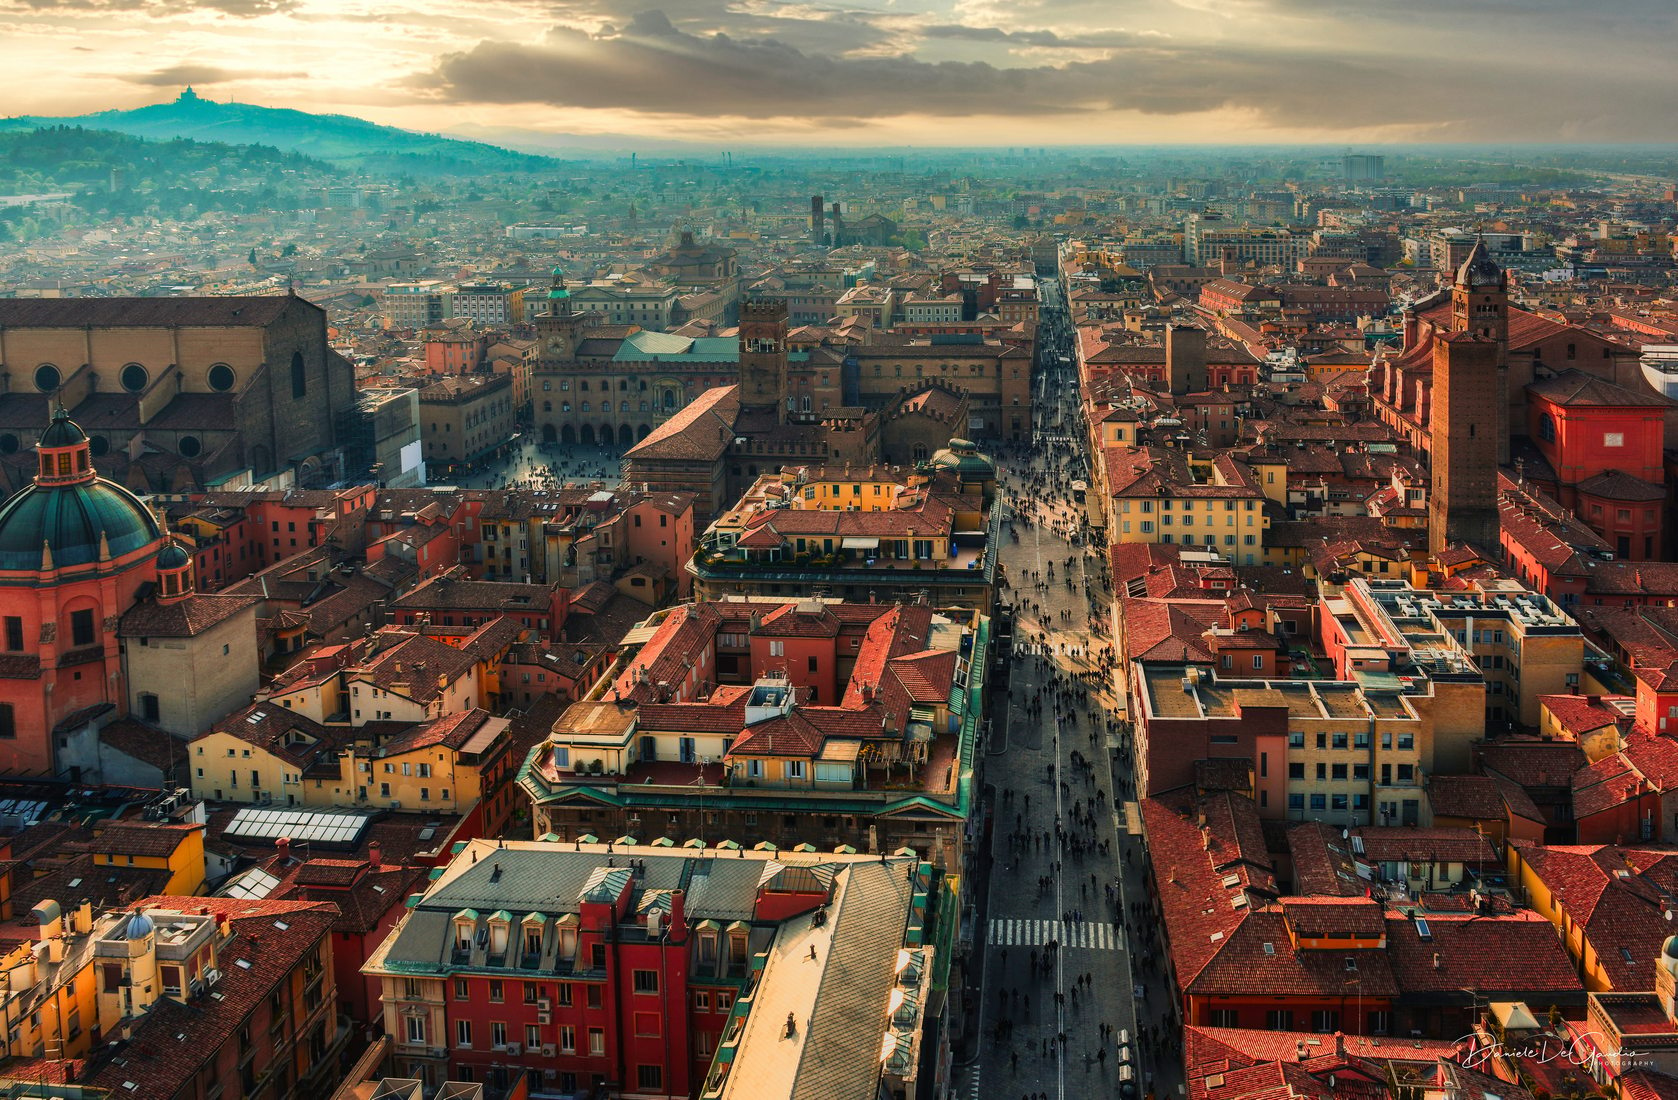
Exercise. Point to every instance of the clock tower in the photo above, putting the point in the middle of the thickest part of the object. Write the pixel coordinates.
(559, 330)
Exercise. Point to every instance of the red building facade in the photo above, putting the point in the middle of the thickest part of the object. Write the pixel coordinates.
(1604, 446)
(614, 967)
(75, 550)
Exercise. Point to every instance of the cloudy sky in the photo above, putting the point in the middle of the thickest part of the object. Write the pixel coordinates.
(876, 72)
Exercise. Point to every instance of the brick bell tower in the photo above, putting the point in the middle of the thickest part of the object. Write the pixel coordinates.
(1480, 305)
(1467, 411)
(763, 358)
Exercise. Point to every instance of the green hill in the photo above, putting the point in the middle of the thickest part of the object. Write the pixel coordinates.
(103, 175)
(337, 139)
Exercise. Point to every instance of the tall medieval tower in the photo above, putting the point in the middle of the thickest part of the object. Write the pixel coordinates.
(1480, 305)
(763, 358)
(1467, 412)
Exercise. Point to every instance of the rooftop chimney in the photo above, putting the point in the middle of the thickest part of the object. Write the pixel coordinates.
(375, 855)
(678, 914)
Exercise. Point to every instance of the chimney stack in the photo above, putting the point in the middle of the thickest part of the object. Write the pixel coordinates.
(678, 915)
(283, 845)
(375, 855)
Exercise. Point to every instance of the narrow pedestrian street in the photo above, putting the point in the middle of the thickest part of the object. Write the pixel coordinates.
(1073, 1000)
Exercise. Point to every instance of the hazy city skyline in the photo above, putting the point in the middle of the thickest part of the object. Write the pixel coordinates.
(968, 72)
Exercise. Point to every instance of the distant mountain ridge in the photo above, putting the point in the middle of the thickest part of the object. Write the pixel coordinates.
(337, 139)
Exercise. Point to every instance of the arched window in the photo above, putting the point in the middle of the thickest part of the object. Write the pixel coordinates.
(547, 406)
(299, 377)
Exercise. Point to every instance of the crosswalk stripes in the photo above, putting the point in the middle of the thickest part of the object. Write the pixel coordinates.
(1078, 935)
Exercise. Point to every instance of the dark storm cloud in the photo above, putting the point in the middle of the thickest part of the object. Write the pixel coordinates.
(828, 29)
(655, 66)
(652, 66)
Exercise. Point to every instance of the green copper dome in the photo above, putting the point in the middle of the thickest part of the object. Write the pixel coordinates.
(173, 556)
(62, 432)
(558, 289)
(963, 457)
(69, 519)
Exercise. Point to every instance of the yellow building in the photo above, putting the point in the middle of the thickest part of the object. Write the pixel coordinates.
(269, 754)
(178, 849)
(1155, 497)
(1541, 874)
(259, 754)
(436, 765)
(47, 1004)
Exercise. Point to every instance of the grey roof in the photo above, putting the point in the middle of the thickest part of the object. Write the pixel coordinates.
(552, 879)
(605, 884)
(841, 1057)
(255, 310)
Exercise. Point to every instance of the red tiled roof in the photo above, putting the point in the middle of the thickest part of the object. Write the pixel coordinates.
(1533, 762)
(172, 1041)
(1322, 862)
(1513, 956)
(1576, 388)
(1169, 630)
(1616, 895)
(926, 676)
(1471, 796)
(715, 716)
(788, 735)
(1189, 877)
(1444, 844)
(1241, 964)
(1581, 714)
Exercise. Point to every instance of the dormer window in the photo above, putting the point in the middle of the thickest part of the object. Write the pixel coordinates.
(500, 928)
(534, 926)
(465, 927)
(568, 936)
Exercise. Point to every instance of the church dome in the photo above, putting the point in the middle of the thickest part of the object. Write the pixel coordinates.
(69, 520)
(70, 516)
(173, 556)
(62, 432)
(964, 458)
(138, 928)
